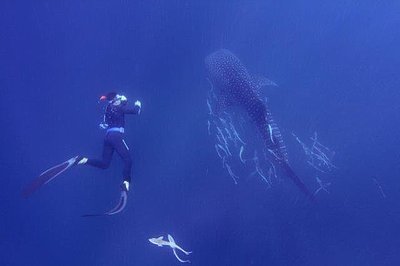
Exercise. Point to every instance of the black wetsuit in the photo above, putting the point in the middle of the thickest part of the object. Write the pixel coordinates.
(114, 117)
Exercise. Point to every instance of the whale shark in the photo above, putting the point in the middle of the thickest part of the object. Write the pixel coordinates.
(236, 87)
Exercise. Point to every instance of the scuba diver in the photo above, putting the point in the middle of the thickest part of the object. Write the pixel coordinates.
(114, 123)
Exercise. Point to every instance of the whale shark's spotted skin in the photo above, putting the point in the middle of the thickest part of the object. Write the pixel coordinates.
(236, 87)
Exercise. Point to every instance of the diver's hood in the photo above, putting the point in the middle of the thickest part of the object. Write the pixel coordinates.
(114, 98)
(109, 96)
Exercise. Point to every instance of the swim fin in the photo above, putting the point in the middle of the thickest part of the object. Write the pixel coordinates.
(47, 176)
(117, 209)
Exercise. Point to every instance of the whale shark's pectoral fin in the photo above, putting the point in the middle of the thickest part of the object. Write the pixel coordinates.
(177, 257)
(263, 86)
(261, 81)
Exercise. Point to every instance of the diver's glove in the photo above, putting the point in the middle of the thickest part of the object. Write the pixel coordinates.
(138, 104)
(103, 125)
(125, 186)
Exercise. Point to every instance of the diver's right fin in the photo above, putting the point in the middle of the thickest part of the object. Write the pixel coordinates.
(47, 176)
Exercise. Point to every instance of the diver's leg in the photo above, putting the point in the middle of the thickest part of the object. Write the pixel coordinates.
(104, 163)
(123, 151)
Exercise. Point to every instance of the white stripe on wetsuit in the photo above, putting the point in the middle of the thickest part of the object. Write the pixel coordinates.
(126, 146)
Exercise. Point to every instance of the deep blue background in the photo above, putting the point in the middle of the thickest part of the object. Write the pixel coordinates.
(337, 66)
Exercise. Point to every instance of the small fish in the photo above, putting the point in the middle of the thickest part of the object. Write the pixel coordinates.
(229, 169)
(159, 241)
(210, 112)
(222, 148)
(379, 187)
(241, 154)
(322, 186)
(222, 135)
(270, 134)
(260, 173)
(228, 133)
(236, 134)
(216, 149)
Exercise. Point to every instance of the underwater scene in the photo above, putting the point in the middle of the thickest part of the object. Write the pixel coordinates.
(182, 132)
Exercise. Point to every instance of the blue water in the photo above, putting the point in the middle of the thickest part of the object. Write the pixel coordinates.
(336, 63)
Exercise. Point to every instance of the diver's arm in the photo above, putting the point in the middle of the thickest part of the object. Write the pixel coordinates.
(132, 109)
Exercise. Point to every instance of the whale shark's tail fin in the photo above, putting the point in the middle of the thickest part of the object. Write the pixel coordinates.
(274, 143)
(298, 182)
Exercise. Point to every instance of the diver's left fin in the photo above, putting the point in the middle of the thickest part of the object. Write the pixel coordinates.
(117, 209)
(47, 176)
